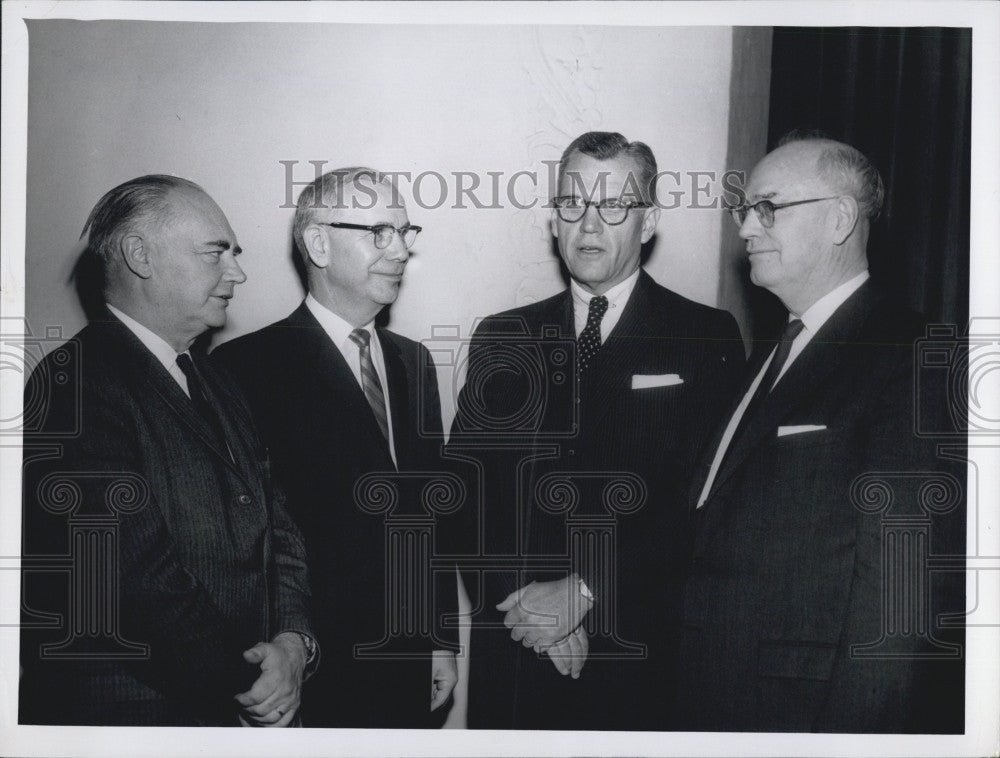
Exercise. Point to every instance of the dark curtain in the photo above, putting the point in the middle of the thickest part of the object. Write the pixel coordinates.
(903, 97)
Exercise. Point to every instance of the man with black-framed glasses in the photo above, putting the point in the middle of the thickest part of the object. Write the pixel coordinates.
(338, 400)
(807, 606)
(588, 645)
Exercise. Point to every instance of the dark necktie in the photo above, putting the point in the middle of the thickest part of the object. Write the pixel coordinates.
(369, 380)
(792, 329)
(201, 402)
(589, 341)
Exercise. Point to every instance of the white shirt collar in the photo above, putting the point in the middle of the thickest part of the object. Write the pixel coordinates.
(336, 328)
(158, 346)
(617, 296)
(818, 313)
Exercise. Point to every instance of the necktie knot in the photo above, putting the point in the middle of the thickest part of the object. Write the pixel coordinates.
(186, 366)
(361, 337)
(598, 307)
(792, 329)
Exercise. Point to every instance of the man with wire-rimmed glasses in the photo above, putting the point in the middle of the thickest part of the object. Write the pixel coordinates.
(808, 607)
(651, 373)
(338, 398)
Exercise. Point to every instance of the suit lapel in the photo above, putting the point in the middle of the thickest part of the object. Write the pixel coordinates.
(339, 384)
(611, 372)
(805, 377)
(147, 371)
(398, 398)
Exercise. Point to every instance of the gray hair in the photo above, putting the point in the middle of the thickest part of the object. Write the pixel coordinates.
(137, 202)
(327, 191)
(846, 168)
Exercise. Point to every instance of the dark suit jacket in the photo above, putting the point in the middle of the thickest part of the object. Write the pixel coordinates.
(204, 562)
(323, 439)
(626, 455)
(789, 550)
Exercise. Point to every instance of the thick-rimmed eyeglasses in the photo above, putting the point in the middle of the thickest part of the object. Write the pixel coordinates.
(612, 212)
(383, 232)
(765, 210)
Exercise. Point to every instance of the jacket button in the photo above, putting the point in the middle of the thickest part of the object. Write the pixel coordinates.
(571, 451)
(244, 499)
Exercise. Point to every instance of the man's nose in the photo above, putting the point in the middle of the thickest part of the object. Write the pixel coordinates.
(233, 272)
(397, 250)
(591, 221)
(751, 226)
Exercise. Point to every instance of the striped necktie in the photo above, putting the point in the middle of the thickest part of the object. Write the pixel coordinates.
(369, 380)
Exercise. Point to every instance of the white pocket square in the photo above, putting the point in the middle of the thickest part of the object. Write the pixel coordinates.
(646, 381)
(784, 431)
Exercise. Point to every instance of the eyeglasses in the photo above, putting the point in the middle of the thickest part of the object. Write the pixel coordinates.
(765, 210)
(383, 232)
(612, 212)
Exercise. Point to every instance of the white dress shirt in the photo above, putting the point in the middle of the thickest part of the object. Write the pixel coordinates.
(815, 316)
(617, 298)
(159, 347)
(339, 331)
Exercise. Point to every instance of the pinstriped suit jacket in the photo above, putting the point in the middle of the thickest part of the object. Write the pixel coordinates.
(208, 561)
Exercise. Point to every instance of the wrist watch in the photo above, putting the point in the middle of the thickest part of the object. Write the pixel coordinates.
(310, 644)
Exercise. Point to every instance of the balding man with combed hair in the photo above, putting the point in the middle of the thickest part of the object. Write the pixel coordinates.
(340, 400)
(197, 606)
(799, 614)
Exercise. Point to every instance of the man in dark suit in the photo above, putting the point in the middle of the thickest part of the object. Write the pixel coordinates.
(808, 607)
(338, 402)
(187, 598)
(581, 468)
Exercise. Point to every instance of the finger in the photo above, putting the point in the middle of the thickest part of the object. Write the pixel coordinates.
(518, 632)
(529, 641)
(558, 655)
(439, 697)
(510, 601)
(265, 686)
(282, 692)
(284, 716)
(289, 715)
(256, 654)
(581, 645)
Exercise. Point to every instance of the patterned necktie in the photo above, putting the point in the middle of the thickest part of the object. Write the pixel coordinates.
(369, 380)
(589, 341)
(201, 402)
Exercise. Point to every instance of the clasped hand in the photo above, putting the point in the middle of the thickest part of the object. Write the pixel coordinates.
(274, 698)
(546, 616)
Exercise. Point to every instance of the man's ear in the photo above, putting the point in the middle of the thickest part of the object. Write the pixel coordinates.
(649, 222)
(554, 223)
(317, 245)
(845, 218)
(136, 256)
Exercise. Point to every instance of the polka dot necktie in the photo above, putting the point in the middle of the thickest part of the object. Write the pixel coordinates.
(589, 341)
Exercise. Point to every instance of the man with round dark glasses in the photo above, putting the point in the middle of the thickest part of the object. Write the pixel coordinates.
(652, 371)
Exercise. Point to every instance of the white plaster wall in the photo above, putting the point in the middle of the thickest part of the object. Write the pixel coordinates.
(222, 104)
